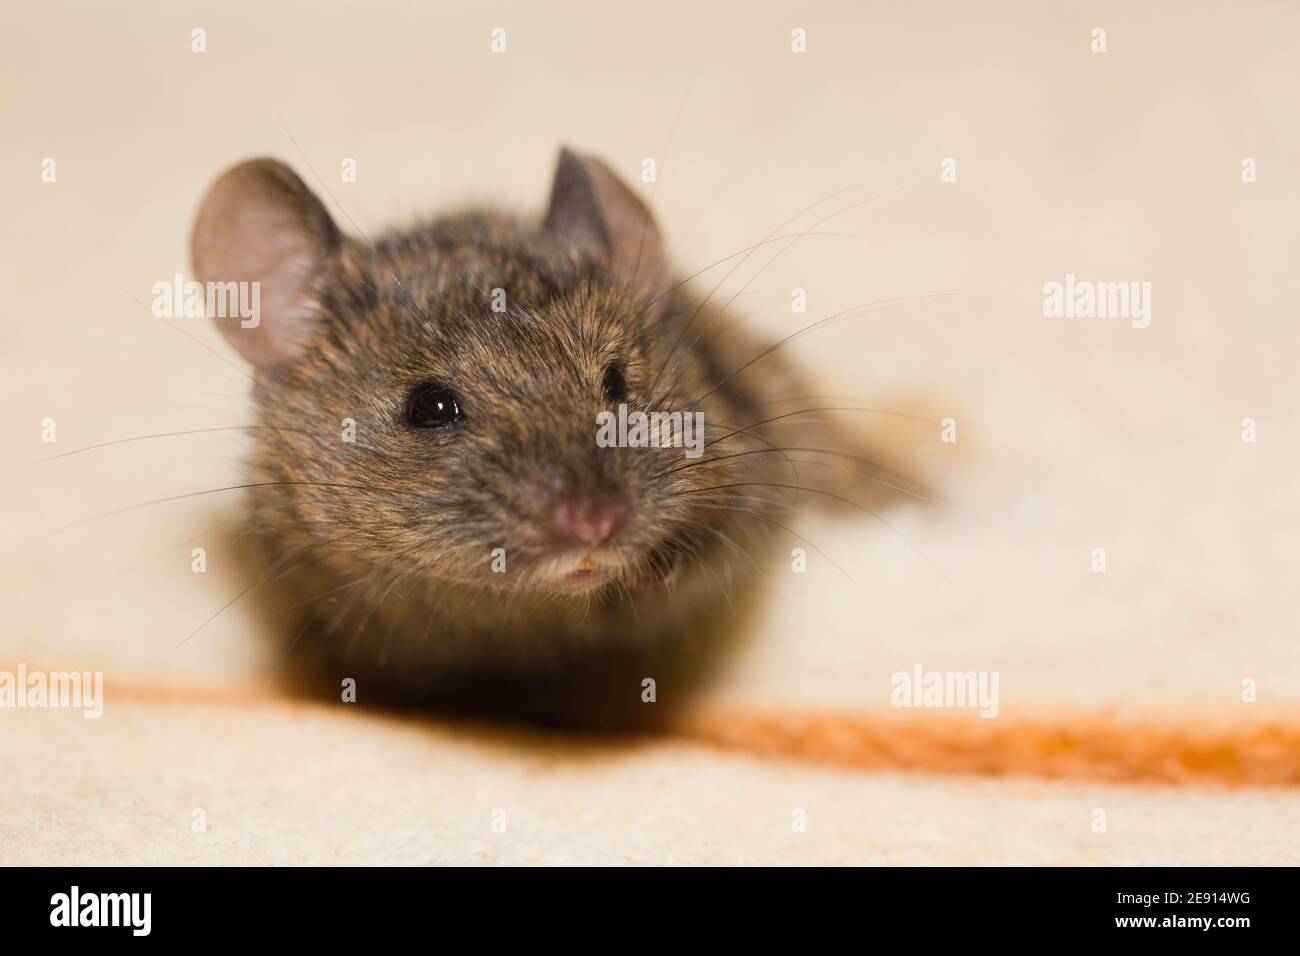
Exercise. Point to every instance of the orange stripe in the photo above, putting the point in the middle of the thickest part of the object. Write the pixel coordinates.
(1086, 748)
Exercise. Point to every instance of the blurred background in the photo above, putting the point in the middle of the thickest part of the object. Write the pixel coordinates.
(1073, 434)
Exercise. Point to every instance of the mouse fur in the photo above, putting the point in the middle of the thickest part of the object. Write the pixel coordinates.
(428, 564)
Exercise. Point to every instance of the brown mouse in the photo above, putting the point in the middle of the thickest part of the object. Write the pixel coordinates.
(435, 514)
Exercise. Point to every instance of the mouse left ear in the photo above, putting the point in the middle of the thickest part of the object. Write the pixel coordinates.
(593, 214)
(260, 224)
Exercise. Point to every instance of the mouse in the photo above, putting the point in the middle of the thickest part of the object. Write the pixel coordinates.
(451, 497)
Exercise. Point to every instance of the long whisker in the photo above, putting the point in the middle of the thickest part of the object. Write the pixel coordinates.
(289, 649)
(820, 323)
(802, 461)
(828, 494)
(407, 299)
(929, 495)
(740, 252)
(663, 162)
(759, 438)
(199, 342)
(191, 431)
(717, 315)
(746, 253)
(260, 581)
(824, 321)
(726, 592)
(213, 491)
(820, 408)
(735, 545)
(207, 348)
(832, 561)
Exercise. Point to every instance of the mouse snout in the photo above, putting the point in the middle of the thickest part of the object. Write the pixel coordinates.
(588, 517)
(572, 510)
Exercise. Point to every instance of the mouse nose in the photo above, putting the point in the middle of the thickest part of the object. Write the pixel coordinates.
(589, 519)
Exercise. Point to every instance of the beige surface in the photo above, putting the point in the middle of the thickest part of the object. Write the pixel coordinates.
(283, 786)
(1074, 433)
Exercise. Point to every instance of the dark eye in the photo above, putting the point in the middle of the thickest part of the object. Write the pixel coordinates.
(432, 405)
(615, 384)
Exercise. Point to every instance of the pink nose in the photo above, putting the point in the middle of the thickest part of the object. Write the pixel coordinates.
(588, 520)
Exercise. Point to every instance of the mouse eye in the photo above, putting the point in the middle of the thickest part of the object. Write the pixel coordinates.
(432, 405)
(615, 384)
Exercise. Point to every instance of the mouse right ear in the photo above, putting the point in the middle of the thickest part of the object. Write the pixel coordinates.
(259, 223)
(593, 212)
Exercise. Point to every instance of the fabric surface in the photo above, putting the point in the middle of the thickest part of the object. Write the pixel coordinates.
(1163, 691)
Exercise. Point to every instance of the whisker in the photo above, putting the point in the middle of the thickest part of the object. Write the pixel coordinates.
(833, 563)
(191, 431)
(759, 438)
(740, 252)
(262, 580)
(820, 323)
(828, 494)
(407, 299)
(213, 491)
(288, 651)
(199, 342)
(747, 253)
(802, 461)
(663, 162)
(717, 315)
(822, 408)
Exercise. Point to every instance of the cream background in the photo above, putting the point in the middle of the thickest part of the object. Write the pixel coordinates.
(1074, 433)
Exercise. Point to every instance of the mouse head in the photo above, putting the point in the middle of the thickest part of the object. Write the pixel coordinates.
(458, 401)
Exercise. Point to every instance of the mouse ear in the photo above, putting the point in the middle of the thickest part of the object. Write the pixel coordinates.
(593, 214)
(259, 223)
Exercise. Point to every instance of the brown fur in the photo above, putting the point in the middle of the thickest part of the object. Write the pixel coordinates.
(379, 551)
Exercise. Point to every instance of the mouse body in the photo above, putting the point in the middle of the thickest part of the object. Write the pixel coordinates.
(434, 512)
